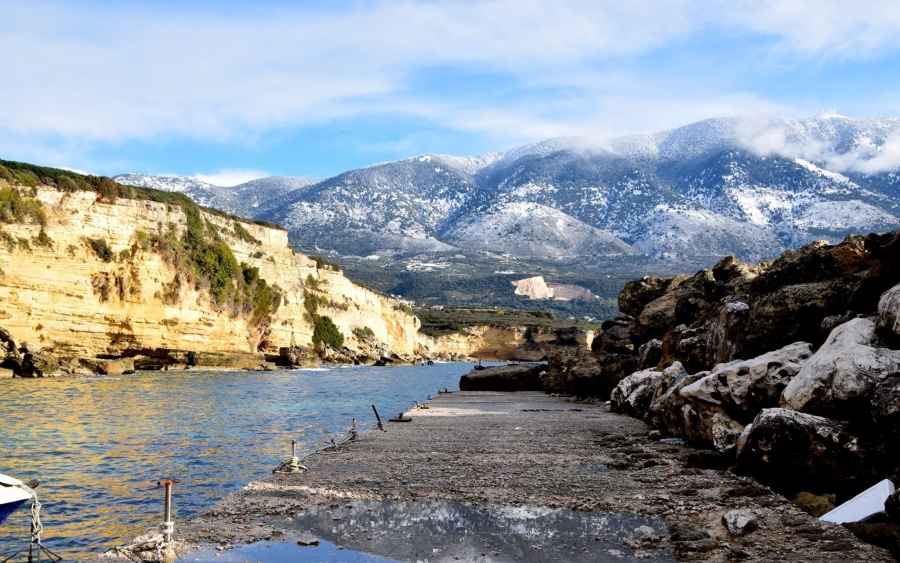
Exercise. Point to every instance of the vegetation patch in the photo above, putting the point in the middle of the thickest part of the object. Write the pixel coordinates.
(325, 331)
(323, 264)
(16, 208)
(363, 333)
(243, 234)
(100, 248)
(457, 320)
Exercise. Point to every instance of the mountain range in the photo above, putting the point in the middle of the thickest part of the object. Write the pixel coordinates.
(745, 186)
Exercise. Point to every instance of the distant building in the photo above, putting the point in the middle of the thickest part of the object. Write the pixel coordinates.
(437, 307)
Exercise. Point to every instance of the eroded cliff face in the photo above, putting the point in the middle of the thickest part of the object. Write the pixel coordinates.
(65, 297)
(509, 343)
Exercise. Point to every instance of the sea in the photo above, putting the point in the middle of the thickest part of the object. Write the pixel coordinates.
(99, 445)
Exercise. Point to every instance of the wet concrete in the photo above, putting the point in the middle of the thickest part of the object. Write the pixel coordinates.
(532, 477)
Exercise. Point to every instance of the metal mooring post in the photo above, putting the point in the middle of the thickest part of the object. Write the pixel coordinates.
(378, 418)
(168, 527)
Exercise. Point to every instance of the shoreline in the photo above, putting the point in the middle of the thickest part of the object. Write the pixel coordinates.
(529, 449)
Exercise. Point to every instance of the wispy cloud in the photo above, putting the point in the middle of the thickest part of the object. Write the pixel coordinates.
(112, 73)
(877, 152)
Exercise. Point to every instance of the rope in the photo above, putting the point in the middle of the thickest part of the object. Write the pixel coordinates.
(292, 465)
(37, 528)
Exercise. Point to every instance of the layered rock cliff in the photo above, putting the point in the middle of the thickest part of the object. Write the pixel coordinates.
(91, 278)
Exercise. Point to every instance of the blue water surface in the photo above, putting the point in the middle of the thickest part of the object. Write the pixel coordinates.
(99, 444)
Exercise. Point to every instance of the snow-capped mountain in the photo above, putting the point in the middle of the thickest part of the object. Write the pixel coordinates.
(743, 186)
(248, 199)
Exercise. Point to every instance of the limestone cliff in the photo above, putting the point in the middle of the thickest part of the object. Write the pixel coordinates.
(57, 291)
(510, 342)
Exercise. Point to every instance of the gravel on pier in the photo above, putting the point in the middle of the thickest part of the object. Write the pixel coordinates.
(529, 448)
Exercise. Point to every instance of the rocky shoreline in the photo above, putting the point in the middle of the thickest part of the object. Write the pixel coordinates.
(30, 361)
(787, 370)
(538, 454)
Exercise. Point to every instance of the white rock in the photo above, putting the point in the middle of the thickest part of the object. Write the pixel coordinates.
(738, 522)
(844, 371)
(745, 387)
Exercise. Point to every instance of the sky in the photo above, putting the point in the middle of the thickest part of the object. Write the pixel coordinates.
(226, 92)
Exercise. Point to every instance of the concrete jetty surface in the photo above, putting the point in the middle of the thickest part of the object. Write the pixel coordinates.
(528, 449)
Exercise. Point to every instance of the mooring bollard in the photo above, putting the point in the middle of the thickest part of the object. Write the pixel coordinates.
(168, 527)
(378, 418)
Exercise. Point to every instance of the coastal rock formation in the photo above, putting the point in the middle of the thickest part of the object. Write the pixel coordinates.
(792, 451)
(521, 377)
(507, 343)
(743, 388)
(94, 283)
(839, 379)
(889, 309)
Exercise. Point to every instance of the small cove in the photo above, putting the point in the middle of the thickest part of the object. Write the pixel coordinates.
(99, 444)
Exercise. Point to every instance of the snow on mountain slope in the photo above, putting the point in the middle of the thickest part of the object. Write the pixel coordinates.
(203, 193)
(744, 186)
(247, 200)
(532, 230)
(699, 235)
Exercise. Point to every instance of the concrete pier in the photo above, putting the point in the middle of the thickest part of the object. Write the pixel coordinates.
(531, 449)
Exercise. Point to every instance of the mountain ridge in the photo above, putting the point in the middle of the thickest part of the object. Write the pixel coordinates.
(744, 186)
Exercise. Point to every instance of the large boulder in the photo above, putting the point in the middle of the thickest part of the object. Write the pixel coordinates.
(743, 388)
(650, 353)
(666, 411)
(520, 377)
(39, 365)
(633, 395)
(793, 313)
(792, 452)
(638, 293)
(108, 367)
(726, 329)
(592, 375)
(687, 302)
(298, 356)
(838, 381)
(889, 309)
(614, 338)
(886, 410)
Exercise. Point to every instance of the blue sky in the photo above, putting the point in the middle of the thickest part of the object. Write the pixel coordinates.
(228, 92)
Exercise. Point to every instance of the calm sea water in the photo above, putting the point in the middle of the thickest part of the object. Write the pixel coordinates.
(99, 444)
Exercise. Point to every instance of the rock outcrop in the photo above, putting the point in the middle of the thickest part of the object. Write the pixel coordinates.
(788, 369)
(96, 284)
(520, 377)
(792, 451)
(838, 381)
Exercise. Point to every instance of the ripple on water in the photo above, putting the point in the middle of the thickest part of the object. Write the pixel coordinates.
(99, 444)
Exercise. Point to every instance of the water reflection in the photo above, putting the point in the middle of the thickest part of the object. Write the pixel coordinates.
(98, 445)
(441, 531)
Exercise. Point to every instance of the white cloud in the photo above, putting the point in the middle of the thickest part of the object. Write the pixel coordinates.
(808, 140)
(230, 177)
(838, 28)
(112, 72)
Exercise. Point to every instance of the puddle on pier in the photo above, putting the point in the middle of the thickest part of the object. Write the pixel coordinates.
(441, 531)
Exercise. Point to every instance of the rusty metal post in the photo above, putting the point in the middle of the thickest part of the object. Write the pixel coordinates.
(168, 527)
(378, 418)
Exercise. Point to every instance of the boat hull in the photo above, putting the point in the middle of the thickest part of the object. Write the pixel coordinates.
(9, 508)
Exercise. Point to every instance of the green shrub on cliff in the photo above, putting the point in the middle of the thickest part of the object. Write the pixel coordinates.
(363, 332)
(244, 234)
(324, 330)
(6, 174)
(14, 208)
(101, 249)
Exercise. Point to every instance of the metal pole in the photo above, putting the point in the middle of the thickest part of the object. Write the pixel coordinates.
(168, 527)
(378, 418)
